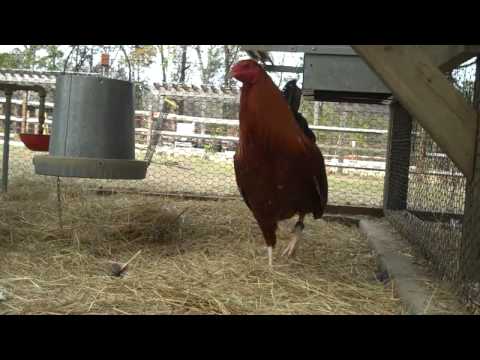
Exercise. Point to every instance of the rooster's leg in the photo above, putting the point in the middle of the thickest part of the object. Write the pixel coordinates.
(269, 229)
(297, 235)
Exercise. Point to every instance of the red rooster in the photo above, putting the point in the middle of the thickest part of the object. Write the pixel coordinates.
(280, 172)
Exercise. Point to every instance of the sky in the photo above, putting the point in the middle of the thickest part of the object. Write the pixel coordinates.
(154, 74)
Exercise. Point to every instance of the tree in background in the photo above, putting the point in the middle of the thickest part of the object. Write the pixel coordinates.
(9, 61)
(32, 57)
(177, 62)
(173, 62)
(231, 55)
(181, 62)
(463, 78)
(53, 60)
(141, 57)
(163, 52)
(81, 58)
(209, 62)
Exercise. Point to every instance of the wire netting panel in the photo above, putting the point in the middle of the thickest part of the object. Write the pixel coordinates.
(353, 139)
(470, 251)
(433, 214)
(190, 138)
(430, 201)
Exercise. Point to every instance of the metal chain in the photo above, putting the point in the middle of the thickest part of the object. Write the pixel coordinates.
(59, 204)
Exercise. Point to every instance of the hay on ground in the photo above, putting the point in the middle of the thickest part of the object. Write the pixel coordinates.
(197, 257)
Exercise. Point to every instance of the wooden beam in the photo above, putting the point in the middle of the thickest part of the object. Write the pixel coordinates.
(286, 69)
(428, 96)
(311, 49)
(448, 57)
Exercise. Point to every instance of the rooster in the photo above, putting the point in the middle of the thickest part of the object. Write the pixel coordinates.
(292, 93)
(279, 171)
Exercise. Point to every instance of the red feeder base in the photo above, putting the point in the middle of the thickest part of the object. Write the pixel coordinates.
(36, 142)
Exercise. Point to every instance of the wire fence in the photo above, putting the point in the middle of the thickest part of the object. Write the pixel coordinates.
(427, 194)
(432, 216)
(190, 140)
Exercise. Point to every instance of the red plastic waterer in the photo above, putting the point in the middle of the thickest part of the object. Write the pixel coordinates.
(36, 142)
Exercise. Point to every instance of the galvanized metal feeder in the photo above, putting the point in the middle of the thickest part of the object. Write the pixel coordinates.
(93, 133)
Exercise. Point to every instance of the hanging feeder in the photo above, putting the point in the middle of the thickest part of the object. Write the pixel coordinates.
(38, 142)
(93, 133)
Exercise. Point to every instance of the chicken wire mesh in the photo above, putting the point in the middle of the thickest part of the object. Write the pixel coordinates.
(353, 139)
(426, 194)
(470, 251)
(189, 137)
(428, 200)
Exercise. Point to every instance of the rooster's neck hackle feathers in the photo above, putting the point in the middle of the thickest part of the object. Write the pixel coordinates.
(266, 120)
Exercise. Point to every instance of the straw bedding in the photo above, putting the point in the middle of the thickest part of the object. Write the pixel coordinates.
(193, 257)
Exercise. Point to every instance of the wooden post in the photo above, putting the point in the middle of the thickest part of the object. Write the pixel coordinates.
(341, 154)
(41, 114)
(6, 139)
(149, 126)
(398, 158)
(203, 107)
(317, 112)
(25, 112)
(163, 113)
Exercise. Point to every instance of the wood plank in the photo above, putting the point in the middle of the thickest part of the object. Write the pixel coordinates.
(199, 95)
(203, 120)
(30, 103)
(192, 136)
(235, 123)
(285, 69)
(311, 49)
(348, 130)
(29, 120)
(427, 94)
(448, 57)
(227, 122)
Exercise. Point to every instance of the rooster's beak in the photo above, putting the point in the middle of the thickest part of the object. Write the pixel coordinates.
(230, 75)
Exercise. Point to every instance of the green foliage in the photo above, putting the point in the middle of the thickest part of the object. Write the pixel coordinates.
(210, 62)
(33, 57)
(209, 148)
(9, 60)
(53, 60)
(141, 57)
(181, 62)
